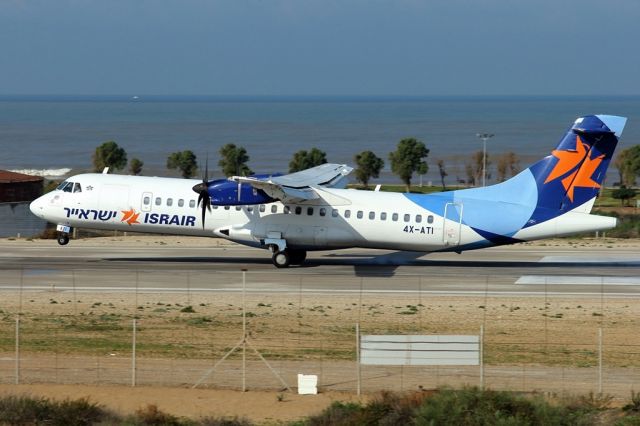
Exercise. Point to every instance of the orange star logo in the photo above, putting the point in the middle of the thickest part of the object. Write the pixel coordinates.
(130, 216)
(568, 160)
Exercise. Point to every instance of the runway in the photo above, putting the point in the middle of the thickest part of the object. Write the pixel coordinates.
(155, 264)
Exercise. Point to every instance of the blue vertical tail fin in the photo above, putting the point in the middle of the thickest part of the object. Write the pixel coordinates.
(573, 174)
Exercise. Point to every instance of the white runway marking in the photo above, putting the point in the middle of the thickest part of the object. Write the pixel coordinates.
(577, 280)
(618, 259)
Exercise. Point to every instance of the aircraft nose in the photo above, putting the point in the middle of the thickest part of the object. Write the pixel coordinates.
(37, 207)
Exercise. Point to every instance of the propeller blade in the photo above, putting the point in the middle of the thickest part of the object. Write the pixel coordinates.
(202, 189)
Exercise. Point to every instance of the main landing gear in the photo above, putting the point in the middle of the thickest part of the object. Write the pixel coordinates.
(286, 257)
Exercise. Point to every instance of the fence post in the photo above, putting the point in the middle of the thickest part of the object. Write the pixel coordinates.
(244, 331)
(133, 355)
(599, 360)
(17, 350)
(482, 356)
(358, 356)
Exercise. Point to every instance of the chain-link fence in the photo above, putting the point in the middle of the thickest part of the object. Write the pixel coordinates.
(173, 328)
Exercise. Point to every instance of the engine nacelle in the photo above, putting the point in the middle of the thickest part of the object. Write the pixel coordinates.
(224, 192)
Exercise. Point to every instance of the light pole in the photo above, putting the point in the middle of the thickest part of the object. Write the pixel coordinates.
(485, 137)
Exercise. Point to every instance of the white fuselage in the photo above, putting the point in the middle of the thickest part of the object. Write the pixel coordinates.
(340, 218)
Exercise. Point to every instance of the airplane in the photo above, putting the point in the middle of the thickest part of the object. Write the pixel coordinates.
(312, 210)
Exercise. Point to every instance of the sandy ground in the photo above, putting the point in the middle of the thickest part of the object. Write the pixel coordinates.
(193, 403)
(557, 332)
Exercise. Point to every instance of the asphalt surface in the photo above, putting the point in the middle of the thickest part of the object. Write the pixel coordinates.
(158, 266)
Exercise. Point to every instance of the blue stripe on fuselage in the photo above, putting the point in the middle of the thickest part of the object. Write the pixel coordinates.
(501, 209)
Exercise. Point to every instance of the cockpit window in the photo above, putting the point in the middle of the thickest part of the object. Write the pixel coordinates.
(67, 187)
(77, 187)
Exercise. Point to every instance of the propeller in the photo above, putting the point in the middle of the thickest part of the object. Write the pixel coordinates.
(202, 189)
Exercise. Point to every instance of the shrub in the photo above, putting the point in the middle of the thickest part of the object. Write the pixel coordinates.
(151, 415)
(23, 410)
(338, 413)
(634, 404)
(472, 406)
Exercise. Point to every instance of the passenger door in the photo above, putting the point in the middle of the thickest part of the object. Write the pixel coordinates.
(452, 224)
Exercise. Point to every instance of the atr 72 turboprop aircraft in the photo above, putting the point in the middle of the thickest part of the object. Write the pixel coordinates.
(311, 210)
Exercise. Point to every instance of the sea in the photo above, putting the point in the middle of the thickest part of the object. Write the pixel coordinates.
(56, 135)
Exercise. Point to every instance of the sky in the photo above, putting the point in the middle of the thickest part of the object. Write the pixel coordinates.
(319, 47)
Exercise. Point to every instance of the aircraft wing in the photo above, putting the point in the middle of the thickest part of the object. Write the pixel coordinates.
(299, 186)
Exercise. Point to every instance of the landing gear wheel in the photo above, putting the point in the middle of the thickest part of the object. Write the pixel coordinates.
(297, 256)
(281, 259)
(63, 239)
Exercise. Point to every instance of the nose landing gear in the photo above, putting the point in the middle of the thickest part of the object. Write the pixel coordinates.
(63, 234)
(63, 239)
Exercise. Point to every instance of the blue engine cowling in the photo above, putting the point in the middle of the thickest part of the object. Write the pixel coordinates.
(224, 192)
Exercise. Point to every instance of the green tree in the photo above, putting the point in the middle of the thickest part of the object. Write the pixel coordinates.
(233, 160)
(628, 164)
(409, 158)
(624, 194)
(303, 159)
(368, 166)
(135, 166)
(185, 161)
(109, 154)
(443, 173)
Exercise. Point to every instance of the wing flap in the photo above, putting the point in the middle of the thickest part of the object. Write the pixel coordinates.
(299, 186)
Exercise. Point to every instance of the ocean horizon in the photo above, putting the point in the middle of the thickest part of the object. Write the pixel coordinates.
(58, 132)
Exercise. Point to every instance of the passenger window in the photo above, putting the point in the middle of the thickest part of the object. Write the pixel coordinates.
(192, 203)
(309, 211)
(418, 218)
(180, 202)
(215, 207)
(298, 210)
(262, 208)
(238, 208)
(249, 209)
(429, 219)
(347, 214)
(323, 211)
(383, 216)
(77, 187)
(274, 209)
(334, 213)
(394, 217)
(372, 215)
(286, 209)
(158, 201)
(360, 214)
(146, 201)
(227, 207)
(169, 202)
(407, 217)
